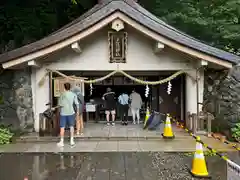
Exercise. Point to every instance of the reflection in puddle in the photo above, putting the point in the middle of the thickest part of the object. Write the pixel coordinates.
(36, 166)
(105, 166)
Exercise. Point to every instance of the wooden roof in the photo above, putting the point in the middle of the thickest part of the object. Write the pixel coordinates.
(131, 9)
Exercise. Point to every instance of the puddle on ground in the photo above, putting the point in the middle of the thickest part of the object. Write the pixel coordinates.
(99, 166)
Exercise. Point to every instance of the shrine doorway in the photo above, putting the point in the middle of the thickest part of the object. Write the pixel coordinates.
(157, 100)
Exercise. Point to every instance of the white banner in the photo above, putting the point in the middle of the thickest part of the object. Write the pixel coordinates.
(233, 171)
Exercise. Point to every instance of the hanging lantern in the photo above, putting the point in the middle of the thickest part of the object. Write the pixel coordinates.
(146, 91)
(91, 89)
(169, 89)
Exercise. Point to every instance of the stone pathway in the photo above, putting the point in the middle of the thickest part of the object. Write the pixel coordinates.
(105, 166)
(110, 146)
(101, 138)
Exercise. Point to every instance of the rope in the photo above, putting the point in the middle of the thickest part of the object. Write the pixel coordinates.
(118, 71)
(82, 80)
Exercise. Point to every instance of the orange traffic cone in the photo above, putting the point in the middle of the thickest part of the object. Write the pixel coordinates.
(168, 133)
(199, 167)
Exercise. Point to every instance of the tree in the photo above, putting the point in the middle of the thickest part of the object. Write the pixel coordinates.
(215, 22)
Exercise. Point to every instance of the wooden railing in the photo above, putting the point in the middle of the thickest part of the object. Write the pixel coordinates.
(201, 124)
(49, 126)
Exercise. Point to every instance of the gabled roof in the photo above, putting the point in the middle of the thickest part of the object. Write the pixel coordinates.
(131, 9)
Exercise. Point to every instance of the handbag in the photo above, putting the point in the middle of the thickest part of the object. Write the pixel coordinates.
(48, 114)
(75, 106)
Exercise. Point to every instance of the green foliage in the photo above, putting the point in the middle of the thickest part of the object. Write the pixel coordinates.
(5, 135)
(236, 132)
(25, 21)
(216, 22)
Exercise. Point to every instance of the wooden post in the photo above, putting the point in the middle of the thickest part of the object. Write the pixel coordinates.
(210, 117)
(194, 122)
(188, 120)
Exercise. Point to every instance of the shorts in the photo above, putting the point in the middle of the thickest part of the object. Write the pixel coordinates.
(113, 112)
(69, 119)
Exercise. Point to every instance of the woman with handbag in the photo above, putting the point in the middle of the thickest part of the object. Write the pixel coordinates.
(79, 118)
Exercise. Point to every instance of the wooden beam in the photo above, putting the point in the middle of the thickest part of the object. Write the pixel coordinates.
(105, 22)
(33, 63)
(158, 47)
(76, 47)
(204, 63)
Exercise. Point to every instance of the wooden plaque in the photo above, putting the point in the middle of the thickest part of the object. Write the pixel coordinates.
(117, 47)
(59, 85)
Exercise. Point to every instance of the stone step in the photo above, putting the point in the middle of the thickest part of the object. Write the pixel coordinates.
(30, 139)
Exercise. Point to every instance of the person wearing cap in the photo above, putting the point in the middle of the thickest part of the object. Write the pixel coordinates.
(79, 119)
(110, 105)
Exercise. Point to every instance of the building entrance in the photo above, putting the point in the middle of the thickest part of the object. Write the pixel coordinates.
(157, 100)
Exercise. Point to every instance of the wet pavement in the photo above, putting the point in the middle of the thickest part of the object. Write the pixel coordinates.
(102, 138)
(105, 166)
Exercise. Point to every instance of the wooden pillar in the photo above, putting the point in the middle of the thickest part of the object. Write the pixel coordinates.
(188, 119)
(182, 99)
(194, 122)
(210, 117)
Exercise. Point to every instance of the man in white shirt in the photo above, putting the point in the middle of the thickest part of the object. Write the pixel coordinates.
(136, 103)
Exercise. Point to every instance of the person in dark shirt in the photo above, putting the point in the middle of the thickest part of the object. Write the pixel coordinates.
(110, 105)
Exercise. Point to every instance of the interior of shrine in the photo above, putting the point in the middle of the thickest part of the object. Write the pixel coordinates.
(119, 84)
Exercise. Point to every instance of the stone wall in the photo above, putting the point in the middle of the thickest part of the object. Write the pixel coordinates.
(222, 97)
(16, 99)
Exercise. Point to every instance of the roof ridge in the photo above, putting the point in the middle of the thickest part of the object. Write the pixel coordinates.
(131, 9)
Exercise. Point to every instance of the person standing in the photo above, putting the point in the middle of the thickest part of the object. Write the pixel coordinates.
(79, 119)
(110, 105)
(136, 103)
(67, 113)
(123, 100)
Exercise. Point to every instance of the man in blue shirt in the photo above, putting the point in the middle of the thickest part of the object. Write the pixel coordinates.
(123, 100)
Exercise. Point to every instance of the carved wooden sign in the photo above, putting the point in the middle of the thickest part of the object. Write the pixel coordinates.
(59, 82)
(117, 46)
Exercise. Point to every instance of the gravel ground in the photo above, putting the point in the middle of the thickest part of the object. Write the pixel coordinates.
(105, 166)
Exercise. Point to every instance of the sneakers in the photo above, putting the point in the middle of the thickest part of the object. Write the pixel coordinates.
(60, 144)
(134, 122)
(79, 134)
(108, 124)
(124, 123)
(72, 143)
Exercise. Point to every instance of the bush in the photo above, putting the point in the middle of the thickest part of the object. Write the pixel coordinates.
(5, 135)
(236, 132)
